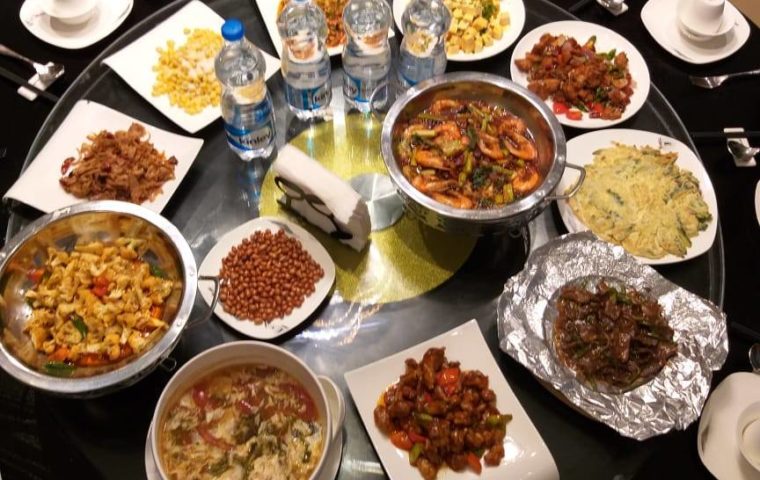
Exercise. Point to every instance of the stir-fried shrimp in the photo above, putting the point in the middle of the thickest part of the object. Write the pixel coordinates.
(468, 154)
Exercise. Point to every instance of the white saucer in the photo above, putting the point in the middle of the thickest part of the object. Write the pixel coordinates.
(108, 15)
(716, 437)
(661, 21)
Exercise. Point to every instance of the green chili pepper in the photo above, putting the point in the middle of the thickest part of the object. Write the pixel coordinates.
(430, 116)
(581, 107)
(509, 193)
(473, 136)
(415, 452)
(424, 133)
(468, 162)
(498, 420)
(218, 468)
(157, 271)
(79, 324)
(423, 417)
(59, 369)
(472, 108)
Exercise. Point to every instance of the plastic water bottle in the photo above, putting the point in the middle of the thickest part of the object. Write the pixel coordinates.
(423, 53)
(367, 55)
(246, 104)
(305, 61)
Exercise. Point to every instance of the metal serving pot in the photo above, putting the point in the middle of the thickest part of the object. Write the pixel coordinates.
(102, 221)
(542, 125)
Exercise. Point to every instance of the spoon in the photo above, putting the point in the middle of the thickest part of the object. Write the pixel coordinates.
(613, 5)
(47, 72)
(741, 153)
(754, 357)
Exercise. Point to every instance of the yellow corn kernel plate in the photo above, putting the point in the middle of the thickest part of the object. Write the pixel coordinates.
(135, 64)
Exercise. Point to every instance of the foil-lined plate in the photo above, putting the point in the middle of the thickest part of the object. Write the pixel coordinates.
(674, 398)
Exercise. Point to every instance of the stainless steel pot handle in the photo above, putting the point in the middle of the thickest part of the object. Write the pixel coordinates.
(576, 187)
(214, 299)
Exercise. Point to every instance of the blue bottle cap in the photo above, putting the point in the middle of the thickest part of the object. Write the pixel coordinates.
(232, 30)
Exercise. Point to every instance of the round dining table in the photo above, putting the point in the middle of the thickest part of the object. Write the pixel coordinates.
(45, 436)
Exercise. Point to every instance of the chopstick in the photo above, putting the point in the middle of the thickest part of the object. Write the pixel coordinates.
(577, 6)
(744, 331)
(23, 83)
(754, 134)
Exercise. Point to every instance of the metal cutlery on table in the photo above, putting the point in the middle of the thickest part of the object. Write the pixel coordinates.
(717, 80)
(615, 7)
(741, 152)
(48, 71)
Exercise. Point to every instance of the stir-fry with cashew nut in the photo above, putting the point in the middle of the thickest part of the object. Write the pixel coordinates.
(468, 154)
(96, 305)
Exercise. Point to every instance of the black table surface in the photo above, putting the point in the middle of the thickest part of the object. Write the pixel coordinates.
(736, 104)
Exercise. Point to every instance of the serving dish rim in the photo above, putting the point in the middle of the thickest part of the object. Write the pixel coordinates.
(140, 364)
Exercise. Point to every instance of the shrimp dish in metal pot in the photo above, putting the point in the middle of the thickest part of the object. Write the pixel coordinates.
(468, 154)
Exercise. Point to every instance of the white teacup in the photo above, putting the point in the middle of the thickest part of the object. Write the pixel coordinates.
(704, 18)
(71, 12)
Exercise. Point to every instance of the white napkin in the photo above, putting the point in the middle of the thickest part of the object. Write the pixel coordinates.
(293, 168)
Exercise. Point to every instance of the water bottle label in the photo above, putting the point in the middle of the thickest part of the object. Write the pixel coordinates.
(405, 81)
(309, 98)
(259, 135)
(245, 139)
(359, 91)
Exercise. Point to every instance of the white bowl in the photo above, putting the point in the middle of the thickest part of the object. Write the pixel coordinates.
(71, 12)
(748, 434)
(248, 353)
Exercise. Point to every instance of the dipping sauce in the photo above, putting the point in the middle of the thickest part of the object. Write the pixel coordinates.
(252, 421)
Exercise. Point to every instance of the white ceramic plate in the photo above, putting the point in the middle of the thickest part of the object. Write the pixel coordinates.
(516, 11)
(213, 263)
(526, 454)
(39, 185)
(134, 63)
(580, 151)
(606, 40)
(716, 437)
(268, 10)
(659, 18)
(108, 15)
(332, 461)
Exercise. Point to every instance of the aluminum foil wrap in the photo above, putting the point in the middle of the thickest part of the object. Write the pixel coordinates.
(674, 398)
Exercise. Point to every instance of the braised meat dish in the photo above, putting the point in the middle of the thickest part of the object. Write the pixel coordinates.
(443, 415)
(614, 339)
(468, 154)
(578, 78)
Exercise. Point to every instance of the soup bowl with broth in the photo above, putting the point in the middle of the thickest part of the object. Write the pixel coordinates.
(243, 410)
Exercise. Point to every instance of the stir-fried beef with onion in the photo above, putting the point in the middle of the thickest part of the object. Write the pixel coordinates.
(468, 154)
(578, 78)
(612, 338)
(443, 415)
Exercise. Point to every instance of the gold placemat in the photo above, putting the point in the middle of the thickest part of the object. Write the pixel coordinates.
(400, 262)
